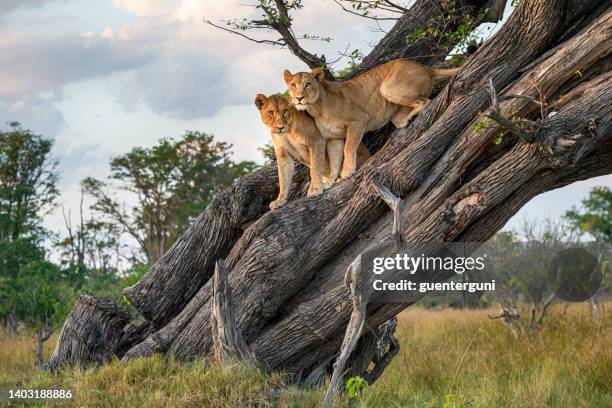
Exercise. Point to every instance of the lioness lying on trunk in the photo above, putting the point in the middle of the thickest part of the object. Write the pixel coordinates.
(395, 91)
(296, 137)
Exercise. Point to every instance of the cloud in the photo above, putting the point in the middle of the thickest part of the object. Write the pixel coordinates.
(36, 65)
(191, 85)
(35, 113)
(148, 8)
(182, 86)
(6, 6)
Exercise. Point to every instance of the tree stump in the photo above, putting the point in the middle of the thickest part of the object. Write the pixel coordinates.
(90, 334)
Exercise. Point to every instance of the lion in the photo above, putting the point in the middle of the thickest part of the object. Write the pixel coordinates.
(395, 91)
(296, 137)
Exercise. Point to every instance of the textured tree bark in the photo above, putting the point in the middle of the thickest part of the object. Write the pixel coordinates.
(189, 263)
(286, 267)
(90, 334)
(227, 339)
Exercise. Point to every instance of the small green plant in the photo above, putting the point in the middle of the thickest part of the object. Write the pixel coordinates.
(438, 30)
(355, 385)
(480, 125)
(453, 401)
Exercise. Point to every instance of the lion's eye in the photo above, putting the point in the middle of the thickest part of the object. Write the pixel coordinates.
(293, 86)
(307, 85)
(271, 114)
(286, 112)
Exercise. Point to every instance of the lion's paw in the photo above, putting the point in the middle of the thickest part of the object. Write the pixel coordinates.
(277, 204)
(313, 192)
(346, 173)
(327, 183)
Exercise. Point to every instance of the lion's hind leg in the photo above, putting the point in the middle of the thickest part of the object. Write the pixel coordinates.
(409, 93)
(406, 112)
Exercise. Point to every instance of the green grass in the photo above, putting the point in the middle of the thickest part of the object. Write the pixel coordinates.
(448, 358)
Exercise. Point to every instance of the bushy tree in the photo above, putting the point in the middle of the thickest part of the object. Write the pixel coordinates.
(169, 184)
(28, 177)
(594, 217)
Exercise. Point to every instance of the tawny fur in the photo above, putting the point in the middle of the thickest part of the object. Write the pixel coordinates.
(395, 91)
(296, 137)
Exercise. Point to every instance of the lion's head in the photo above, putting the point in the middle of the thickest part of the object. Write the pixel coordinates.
(276, 112)
(304, 87)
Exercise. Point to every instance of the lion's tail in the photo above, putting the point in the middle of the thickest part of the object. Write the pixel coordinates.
(444, 73)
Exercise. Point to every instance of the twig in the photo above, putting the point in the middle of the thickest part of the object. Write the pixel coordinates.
(338, 2)
(244, 35)
(496, 115)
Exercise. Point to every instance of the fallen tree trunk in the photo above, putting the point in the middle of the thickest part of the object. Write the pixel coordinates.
(90, 335)
(286, 267)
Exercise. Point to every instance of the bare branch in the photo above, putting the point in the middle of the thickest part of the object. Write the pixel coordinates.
(281, 44)
(359, 296)
(375, 18)
(512, 126)
(396, 204)
(544, 308)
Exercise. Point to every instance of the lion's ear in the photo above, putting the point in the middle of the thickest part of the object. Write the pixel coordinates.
(288, 76)
(318, 74)
(260, 100)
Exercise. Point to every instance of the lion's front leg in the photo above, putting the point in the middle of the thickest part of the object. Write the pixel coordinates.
(317, 164)
(335, 153)
(286, 168)
(354, 134)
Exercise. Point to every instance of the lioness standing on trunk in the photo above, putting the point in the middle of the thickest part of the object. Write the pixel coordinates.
(296, 137)
(395, 91)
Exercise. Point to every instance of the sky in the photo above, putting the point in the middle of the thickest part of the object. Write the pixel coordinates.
(103, 76)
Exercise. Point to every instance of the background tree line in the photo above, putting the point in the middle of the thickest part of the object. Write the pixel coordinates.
(149, 199)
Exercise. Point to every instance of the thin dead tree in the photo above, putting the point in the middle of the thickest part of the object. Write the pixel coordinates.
(457, 181)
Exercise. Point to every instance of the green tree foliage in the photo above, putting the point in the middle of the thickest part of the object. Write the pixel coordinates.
(14, 254)
(167, 185)
(595, 215)
(28, 179)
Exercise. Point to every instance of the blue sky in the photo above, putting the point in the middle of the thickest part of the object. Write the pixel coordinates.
(103, 76)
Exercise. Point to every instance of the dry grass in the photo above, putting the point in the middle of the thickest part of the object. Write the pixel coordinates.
(449, 358)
